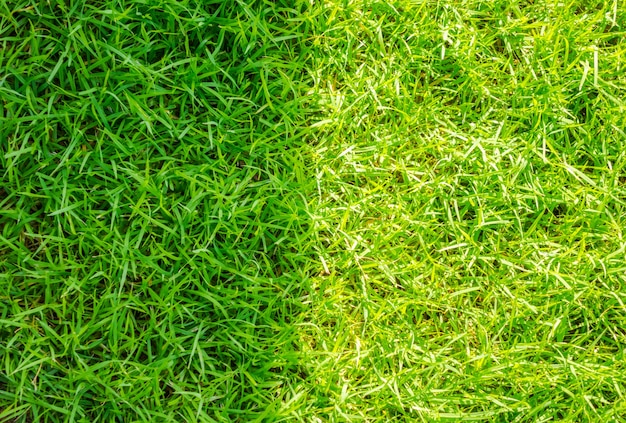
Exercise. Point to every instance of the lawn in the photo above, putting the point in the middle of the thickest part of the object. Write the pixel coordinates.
(312, 211)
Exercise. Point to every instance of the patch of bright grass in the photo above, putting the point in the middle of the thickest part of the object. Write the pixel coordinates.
(470, 213)
(326, 211)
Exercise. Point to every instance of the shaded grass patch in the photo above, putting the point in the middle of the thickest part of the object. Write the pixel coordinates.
(153, 209)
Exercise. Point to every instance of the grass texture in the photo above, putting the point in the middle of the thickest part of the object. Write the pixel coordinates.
(292, 210)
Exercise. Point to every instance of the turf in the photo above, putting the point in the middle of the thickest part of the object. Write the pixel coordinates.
(312, 211)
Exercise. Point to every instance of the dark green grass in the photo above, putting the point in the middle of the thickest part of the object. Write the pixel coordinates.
(312, 211)
(152, 209)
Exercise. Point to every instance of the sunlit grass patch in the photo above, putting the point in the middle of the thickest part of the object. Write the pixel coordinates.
(470, 213)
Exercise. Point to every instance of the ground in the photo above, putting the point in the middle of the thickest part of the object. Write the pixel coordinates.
(312, 211)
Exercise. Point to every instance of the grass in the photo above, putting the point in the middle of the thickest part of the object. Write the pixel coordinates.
(312, 211)
(470, 214)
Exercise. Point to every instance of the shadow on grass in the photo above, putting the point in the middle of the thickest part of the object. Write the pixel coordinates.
(153, 219)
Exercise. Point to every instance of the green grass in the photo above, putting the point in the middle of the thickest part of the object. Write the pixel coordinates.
(312, 211)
